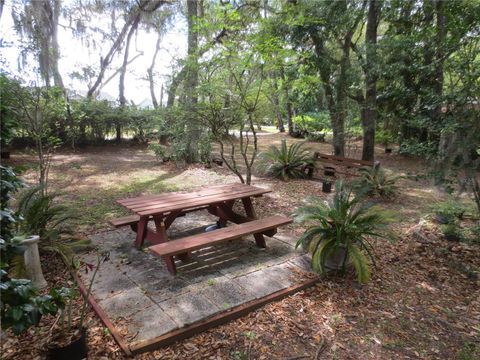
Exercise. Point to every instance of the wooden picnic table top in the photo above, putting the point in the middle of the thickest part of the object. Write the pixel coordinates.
(176, 201)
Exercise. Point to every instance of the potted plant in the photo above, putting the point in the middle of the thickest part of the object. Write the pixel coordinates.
(339, 232)
(70, 342)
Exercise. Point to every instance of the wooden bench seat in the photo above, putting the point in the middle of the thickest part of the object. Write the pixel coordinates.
(266, 226)
(124, 221)
(341, 165)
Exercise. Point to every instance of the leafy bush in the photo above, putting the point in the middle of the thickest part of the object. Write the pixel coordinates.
(376, 181)
(285, 162)
(160, 151)
(451, 231)
(205, 149)
(10, 245)
(449, 211)
(51, 221)
(384, 137)
(312, 122)
(315, 137)
(21, 306)
(474, 233)
(340, 230)
(413, 147)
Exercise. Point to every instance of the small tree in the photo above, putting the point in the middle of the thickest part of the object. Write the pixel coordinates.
(232, 89)
(38, 111)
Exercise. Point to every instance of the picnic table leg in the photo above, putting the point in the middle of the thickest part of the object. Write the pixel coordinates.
(161, 225)
(161, 237)
(141, 231)
(247, 204)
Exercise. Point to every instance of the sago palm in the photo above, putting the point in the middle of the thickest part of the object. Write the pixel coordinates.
(285, 162)
(345, 224)
(376, 181)
(43, 216)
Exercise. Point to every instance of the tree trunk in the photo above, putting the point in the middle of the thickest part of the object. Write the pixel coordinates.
(370, 109)
(288, 102)
(150, 73)
(177, 79)
(123, 71)
(191, 82)
(276, 103)
(143, 6)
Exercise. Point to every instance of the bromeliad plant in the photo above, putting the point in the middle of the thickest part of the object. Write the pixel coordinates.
(286, 162)
(340, 232)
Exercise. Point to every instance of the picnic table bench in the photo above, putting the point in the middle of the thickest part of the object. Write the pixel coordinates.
(331, 164)
(218, 200)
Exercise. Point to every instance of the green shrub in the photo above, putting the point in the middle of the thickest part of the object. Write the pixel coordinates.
(451, 231)
(285, 162)
(341, 230)
(51, 221)
(11, 249)
(160, 151)
(21, 305)
(376, 181)
(312, 122)
(315, 137)
(474, 233)
(384, 137)
(449, 211)
(205, 149)
(413, 147)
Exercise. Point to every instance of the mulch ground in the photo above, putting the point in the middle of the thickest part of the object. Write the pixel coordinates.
(423, 301)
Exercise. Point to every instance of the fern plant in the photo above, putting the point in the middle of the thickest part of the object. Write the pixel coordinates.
(340, 232)
(285, 162)
(376, 181)
(51, 221)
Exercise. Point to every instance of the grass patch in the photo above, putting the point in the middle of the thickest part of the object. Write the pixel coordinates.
(95, 209)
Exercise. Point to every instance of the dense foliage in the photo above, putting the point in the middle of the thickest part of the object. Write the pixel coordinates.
(406, 70)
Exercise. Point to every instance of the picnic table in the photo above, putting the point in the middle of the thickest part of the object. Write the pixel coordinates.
(218, 200)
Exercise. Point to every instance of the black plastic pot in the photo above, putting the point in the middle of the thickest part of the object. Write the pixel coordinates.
(326, 186)
(442, 219)
(76, 350)
(452, 237)
(336, 259)
(329, 171)
(388, 150)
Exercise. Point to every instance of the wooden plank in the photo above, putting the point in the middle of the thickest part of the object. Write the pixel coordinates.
(199, 202)
(101, 313)
(185, 198)
(218, 319)
(169, 195)
(143, 197)
(341, 158)
(340, 163)
(127, 220)
(194, 242)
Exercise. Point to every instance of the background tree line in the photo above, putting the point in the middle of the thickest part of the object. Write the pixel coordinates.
(390, 71)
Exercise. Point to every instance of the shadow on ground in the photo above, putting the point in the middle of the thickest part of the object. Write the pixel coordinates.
(145, 301)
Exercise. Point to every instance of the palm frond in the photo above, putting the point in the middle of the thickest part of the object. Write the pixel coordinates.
(285, 162)
(347, 222)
